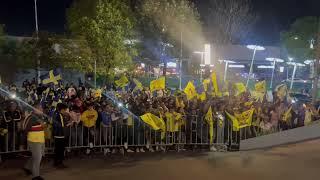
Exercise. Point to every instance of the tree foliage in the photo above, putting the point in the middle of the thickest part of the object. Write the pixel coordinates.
(167, 19)
(230, 21)
(100, 28)
(297, 39)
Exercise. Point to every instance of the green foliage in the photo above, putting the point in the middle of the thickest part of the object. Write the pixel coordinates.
(165, 20)
(100, 29)
(297, 39)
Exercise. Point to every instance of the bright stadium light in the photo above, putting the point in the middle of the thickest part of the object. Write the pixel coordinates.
(236, 66)
(120, 105)
(207, 54)
(274, 61)
(265, 67)
(255, 48)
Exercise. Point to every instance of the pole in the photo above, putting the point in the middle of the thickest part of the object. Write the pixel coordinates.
(95, 74)
(180, 67)
(226, 71)
(293, 75)
(37, 36)
(272, 76)
(251, 67)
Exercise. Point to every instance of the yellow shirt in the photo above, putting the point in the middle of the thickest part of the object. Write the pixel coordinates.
(89, 118)
(36, 136)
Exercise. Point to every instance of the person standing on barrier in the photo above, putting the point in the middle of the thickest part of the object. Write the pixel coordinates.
(59, 135)
(34, 127)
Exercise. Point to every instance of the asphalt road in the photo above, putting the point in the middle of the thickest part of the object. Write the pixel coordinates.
(300, 161)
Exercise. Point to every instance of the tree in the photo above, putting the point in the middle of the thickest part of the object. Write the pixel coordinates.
(167, 21)
(230, 21)
(298, 40)
(102, 27)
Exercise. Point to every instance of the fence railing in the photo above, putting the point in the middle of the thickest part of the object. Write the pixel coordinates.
(194, 132)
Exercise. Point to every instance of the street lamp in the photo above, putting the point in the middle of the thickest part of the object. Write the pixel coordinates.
(255, 48)
(201, 63)
(37, 34)
(227, 62)
(295, 65)
(274, 61)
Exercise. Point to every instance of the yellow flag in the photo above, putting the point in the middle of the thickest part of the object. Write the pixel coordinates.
(158, 84)
(242, 120)
(257, 96)
(98, 93)
(206, 84)
(52, 78)
(138, 85)
(179, 103)
(209, 119)
(240, 88)
(122, 82)
(287, 115)
(202, 96)
(153, 121)
(215, 83)
(190, 91)
(260, 87)
(172, 126)
(281, 91)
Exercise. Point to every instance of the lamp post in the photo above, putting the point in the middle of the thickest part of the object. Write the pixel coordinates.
(274, 61)
(255, 48)
(201, 63)
(295, 65)
(37, 36)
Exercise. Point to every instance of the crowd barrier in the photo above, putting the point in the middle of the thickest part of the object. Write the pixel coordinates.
(122, 134)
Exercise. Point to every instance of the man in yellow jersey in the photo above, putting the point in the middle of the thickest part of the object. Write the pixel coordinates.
(34, 128)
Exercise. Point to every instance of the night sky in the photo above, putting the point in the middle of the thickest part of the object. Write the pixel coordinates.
(275, 16)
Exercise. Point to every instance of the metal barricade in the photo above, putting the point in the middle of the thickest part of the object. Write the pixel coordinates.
(132, 134)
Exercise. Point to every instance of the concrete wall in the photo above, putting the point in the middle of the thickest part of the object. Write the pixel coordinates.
(281, 138)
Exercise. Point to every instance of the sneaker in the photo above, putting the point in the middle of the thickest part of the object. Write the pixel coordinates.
(130, 151)
(126, 145)
(148, 145)
(142, 150)
(151, 149)
(137, 150)
(213, 149)
(105, 151)
(68, 150)
(38, 178)
(88, 151)
(27, 171)
(91, 145)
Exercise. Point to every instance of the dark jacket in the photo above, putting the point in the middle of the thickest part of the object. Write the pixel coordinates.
(58, 125)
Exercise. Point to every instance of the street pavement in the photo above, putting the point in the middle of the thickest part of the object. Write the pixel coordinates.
(291, 162)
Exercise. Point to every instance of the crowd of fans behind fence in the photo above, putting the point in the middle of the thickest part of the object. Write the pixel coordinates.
(267, 118)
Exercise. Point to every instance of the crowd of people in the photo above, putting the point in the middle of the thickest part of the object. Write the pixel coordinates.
(83, 117)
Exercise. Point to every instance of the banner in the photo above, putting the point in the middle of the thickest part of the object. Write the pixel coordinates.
(53, 76)
(190, 91)
(158, 84)
(242, 120)
(209, 119)
(287, 115)
(122, 82)
(89, 118)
